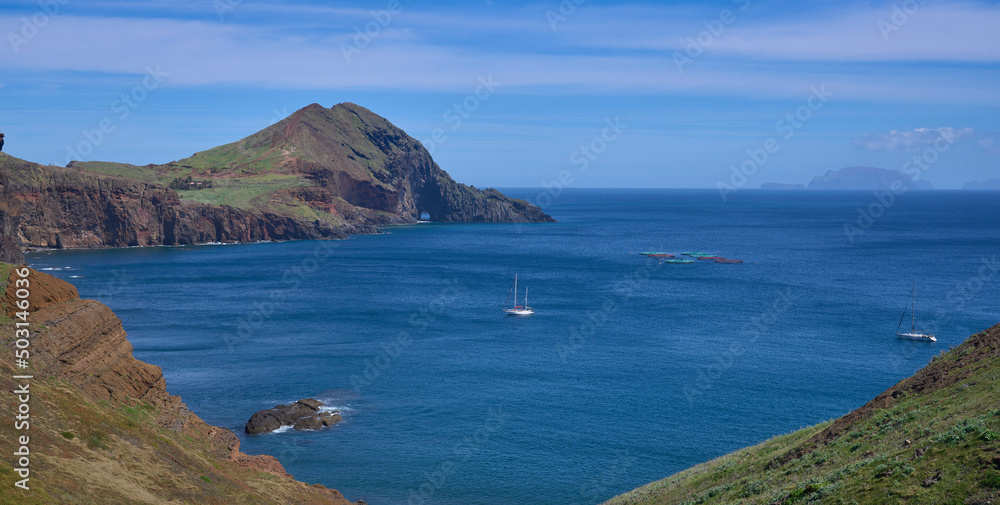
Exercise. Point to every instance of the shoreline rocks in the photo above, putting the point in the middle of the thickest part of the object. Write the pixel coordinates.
(303, 415)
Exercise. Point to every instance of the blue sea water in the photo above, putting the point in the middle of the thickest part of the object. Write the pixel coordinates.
(629, 370)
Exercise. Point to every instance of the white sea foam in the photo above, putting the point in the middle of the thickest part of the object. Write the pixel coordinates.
(283, 429)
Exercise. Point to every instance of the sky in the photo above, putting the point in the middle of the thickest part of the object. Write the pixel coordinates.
(547, 94)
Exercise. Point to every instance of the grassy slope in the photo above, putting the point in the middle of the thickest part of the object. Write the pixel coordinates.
(20, 171)
(885, 457)
(239, 192)
(147, 174)
(260, 192)
(83, 450)
(328, 137)
(243, 193)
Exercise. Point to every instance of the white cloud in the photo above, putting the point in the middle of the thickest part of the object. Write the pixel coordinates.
(935, 32)
(913, 140)
(989, 145)
(607, 50)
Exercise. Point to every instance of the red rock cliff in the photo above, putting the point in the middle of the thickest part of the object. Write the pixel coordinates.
(10, 211)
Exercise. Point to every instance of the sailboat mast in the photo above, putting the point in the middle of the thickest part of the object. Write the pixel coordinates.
(525, 297)
(913, 310)
(515, 291)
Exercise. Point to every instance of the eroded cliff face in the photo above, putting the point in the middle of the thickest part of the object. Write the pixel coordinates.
(10, 221)
(69, 208)
(105, 427)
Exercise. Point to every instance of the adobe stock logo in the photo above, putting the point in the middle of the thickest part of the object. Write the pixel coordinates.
(581, 158)
(758, 157)
(695, 46)
(899, 17)
(883, 200)
(31, 26)
(364, 36)
(461, 110)
(566, 9)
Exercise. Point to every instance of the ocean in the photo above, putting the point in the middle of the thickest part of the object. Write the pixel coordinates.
(630, 370)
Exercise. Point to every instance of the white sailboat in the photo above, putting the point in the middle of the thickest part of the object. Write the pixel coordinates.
(913, 333)
(517, 310)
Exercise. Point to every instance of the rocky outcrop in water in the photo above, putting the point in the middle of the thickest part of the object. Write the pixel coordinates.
(302, 415)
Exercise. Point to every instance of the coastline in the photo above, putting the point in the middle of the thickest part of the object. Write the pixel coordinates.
(105, 400)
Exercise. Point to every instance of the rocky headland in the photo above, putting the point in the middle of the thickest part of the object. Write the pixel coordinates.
(321, 173)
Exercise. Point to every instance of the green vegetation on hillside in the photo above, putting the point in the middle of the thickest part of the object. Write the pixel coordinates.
(254, 192)
(313, 135)
(935, 439)
(243, 193)
(5, 271)
(20, 171)
(190, 183)
(147, 173)
(240, 158)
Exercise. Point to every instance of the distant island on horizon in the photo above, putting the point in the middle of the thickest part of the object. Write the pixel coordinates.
(857, 178)
(861, 178)
(989, 184)
(780, 185)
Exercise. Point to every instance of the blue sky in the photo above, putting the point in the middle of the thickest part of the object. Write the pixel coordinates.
(695, 89)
